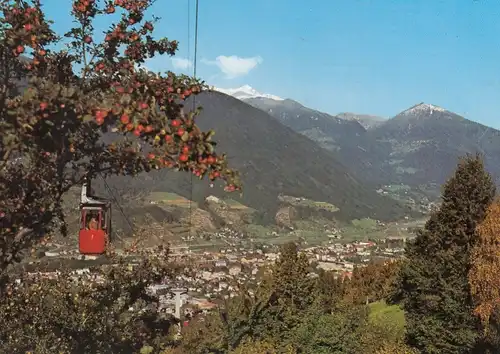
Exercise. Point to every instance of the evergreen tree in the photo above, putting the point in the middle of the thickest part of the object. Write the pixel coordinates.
(283, 296)
(433, 282)
(290, 282)
(330, 290)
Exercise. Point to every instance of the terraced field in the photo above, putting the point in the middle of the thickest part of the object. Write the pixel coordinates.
(171, 199)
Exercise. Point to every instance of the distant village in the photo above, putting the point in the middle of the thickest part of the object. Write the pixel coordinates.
(219, 274)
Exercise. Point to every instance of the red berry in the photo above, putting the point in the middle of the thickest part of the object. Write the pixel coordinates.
(125, 119)
(100, 115)
(149, 129)
(151, 156)
(176, 123)
(137, 132)
(28, 27)
(210, 160)
(20, 49)
(183, 157)
(130, 126)
(42, 52)
(168, 138)
(99, 120)
(43, 106)
(87, 39)
(143, 105)
(180, 132)
(185, 149)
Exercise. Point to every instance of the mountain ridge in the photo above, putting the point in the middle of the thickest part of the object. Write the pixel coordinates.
(418, 146)
(273, 160)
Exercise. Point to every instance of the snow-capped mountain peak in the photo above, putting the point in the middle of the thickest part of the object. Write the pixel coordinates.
(246, 92)
(423, 108)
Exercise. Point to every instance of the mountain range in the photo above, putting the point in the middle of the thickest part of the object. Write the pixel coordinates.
(282, 148)
(273, 160)
(418, 147)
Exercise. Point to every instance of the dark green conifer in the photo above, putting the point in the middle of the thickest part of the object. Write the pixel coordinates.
(433, 282)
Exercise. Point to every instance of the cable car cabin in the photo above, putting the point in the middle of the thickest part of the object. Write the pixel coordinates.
(95, 227)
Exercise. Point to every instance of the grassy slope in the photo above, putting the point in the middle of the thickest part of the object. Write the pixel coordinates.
(388, 317)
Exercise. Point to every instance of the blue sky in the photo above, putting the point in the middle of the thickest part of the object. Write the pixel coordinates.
(375, 57)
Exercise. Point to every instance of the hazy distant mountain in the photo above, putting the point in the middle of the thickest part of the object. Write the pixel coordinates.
(367, 121)
(346, 138)
(426, 140)
(419, 146)
(330, 131)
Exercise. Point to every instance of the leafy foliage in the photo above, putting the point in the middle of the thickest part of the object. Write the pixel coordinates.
(52, 130)
(485, 285)
(483, 280)
(108, 310)
(373, 282)
(395, 349)
(259, 347)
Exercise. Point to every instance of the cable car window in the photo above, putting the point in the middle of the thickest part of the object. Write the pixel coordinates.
(92, 219)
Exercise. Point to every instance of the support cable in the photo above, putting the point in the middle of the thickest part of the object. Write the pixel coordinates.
(195, 61)
(115, 201)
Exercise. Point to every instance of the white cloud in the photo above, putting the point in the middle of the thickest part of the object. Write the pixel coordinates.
(181, 63)
(234, 66)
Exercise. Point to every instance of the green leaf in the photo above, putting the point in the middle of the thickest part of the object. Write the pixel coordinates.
(210, 134)
(87, 118)
(209, 148)
(68, 92)
(125, 99)
(28, 95)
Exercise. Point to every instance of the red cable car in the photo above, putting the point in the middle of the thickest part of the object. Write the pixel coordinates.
(95, 227)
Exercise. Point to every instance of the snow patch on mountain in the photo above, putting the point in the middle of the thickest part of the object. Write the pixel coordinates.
(423, 108)
(246, 92)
